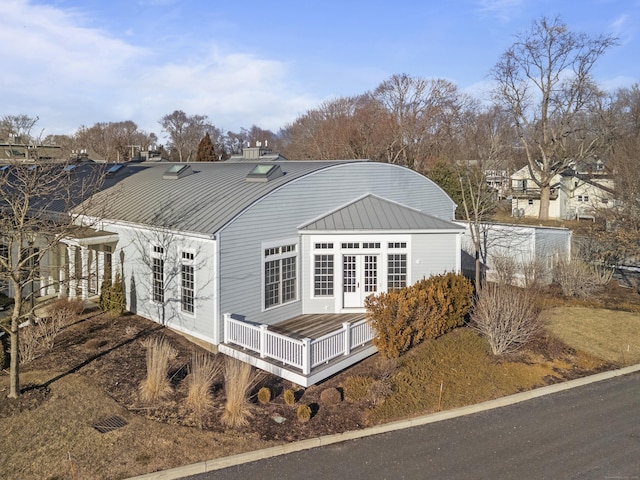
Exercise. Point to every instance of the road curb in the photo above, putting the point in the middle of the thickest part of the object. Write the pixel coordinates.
(224, 462)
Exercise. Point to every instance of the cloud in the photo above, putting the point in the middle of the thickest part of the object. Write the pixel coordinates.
(501, 9)
(58, 67)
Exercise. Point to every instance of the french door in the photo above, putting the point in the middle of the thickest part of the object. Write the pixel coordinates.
(359, 279)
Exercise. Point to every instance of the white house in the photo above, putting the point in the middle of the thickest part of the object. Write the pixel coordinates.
(578, 192)
(529, 251)
(268, 262)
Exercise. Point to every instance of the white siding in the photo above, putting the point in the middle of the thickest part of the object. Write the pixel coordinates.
(133, 240)
(278, 215)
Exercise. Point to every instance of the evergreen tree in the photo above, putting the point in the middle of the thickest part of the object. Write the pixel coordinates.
(206, 150)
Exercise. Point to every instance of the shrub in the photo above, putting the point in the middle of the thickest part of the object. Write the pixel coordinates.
(576, 278)
(506, 316)
(289, 396)
(237, 382)
(330, 396)
(428, 309)
(29, 344)
(357, 387)
(264, 395)
(304, 413)
(112, 298)
(202, 373)
(156, 385)
(3, 354)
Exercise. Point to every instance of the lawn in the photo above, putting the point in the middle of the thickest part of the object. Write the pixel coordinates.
(94, 371)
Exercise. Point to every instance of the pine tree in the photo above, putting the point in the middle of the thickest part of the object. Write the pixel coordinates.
(206, 150)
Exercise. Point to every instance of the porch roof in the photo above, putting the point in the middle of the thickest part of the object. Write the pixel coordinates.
(85, 236)
(374, 213)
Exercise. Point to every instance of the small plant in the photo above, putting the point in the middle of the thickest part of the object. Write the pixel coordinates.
(156, 385)
(289, 396)
(202, 373)
(264, 395)
(29, 344)
(304, 413)
(237, 382)
(576, 278)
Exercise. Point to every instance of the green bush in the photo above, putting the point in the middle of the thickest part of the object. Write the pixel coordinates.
(112, 296)
(428, 309)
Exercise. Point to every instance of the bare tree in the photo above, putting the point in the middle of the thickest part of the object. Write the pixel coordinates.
(544, 82)
(185, 132)
(35, 205)
(114, 141)
(425, 114)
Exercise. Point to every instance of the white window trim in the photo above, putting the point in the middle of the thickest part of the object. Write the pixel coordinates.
(191, 262)
(161, 256)
(279, 256)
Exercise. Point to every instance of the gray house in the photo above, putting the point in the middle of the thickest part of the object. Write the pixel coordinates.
(268, 262)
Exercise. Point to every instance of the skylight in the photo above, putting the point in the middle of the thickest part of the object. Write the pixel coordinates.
(264, 172)
(68, 168)
(177, 170)
(115, 169)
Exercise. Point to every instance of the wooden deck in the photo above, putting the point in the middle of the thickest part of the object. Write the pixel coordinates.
(318, 332)
(315, 325)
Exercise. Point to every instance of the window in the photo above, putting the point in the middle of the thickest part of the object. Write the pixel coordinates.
(187, 276)
(323, 276)
(371, 245)
(280, 274)
(351, 245)
(397, 271)
(157, 274)
(530, 202)
(397, 245)
(323, 246)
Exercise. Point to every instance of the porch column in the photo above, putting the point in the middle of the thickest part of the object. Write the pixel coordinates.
(63, 290)
(71, 253)
(99, 271)
(84, 265)
(52, 257)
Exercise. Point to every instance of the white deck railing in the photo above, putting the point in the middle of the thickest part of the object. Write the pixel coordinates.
(304, 354)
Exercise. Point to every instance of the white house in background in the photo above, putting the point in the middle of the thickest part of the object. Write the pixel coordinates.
(576, 193)
(531, 250)
(268, 262)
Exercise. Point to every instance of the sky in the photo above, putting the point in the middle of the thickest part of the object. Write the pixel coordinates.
(246, 62)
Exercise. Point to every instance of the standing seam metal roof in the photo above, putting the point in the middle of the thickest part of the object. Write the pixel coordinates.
(202, 202)
(374, 213)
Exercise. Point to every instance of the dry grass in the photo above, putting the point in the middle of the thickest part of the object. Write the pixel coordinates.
(202, 374)
(237, 382)
(610, 335)
(37, 444)
(455, 370)
(156, 385)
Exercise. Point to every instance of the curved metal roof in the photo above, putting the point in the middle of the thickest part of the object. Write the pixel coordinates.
(201, 202)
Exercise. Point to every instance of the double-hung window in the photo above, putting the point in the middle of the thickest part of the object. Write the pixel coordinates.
(323, 269)
(157, 274)
(280, 274)
(187, 282)
(396, 265)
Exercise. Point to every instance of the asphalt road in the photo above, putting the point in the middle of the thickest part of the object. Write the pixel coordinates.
(589, 432)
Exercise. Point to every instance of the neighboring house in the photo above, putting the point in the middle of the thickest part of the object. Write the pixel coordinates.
(259, 153)
(268, 262)
(15, 150)
(522, 252)
(577, 193)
